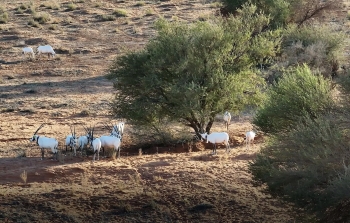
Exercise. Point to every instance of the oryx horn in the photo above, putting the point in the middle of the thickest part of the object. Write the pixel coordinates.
(39, 128)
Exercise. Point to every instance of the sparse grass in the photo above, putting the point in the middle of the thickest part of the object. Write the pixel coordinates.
(149, 12)
(136, 30)
(24, 176)
(53, 27)
(84, 113)
(26, 8)
(68, 20)
(216, 4)
(7, 110)
(140, 3)
(203, 17)
(31, 10)
(42, 18)
(348, 15)
(108, 17)
(51, 5)
(33, 23)
(4, 17)
(71, 6)
(120, 13)
(28, 110)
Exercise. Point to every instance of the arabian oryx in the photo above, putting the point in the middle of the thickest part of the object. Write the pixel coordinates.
(95, 143)
(227, 119)
(249, 138)
(83, 141)
(45, 143)
(112, 141)
(217, 137)
(71, 141)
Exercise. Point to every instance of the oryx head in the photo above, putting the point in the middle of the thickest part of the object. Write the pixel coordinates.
(34, 135)
(204, 136)
(73, 139)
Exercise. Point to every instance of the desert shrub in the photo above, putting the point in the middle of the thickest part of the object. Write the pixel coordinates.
(140, 3)
(42, 18)
(149, 12)
(4, 17)
(31, 10)
(120, 13)
(71, 7)
(320, 47)
(52, 5)
(308, 165)
(33, 23)
(300, 93)
(26, 8)
(107, 17)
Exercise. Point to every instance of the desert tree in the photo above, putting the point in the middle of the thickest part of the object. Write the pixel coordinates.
(191, 72)
(284, 12)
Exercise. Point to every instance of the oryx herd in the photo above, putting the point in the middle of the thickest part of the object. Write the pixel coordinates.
(114, 139)
(73, 142)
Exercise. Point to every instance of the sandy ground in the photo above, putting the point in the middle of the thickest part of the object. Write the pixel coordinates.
(175, 185)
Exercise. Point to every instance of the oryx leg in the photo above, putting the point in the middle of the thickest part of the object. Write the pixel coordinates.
(42, 153)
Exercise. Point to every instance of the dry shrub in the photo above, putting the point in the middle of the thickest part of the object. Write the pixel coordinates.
(51, 5)
(42, 18)
(33, 23)
(4, 17)
(320, 47)
(24, 176)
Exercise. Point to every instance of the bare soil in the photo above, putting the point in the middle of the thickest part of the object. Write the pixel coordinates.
(182, 183)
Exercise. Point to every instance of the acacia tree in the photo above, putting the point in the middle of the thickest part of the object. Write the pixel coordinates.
(285, 12)
(191, 72)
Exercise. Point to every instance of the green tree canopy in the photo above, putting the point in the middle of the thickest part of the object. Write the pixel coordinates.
(191, 72)
(298, 94)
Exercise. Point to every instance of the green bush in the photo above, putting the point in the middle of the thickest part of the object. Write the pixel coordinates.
(309, 165)
(298, 94)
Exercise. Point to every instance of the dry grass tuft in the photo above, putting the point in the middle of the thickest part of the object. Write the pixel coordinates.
(71, 6)
(4, 17)
(42, 18)
(120, 13)
(24, 176)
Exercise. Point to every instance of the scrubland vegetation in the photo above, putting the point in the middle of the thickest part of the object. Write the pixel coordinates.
(284, 63)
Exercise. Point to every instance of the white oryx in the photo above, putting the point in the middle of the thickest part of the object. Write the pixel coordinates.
(227, 119)
(47, 49)
(217, 137)
(71, 141)
(112, 141)
(95, 143)
(45, 143)
(249, 138)
(28, 50)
